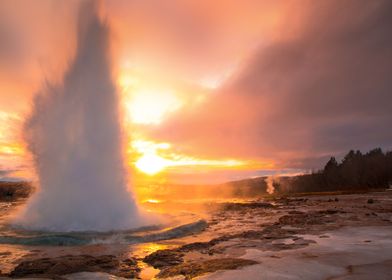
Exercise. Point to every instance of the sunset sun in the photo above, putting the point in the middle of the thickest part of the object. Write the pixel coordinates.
(151, 164)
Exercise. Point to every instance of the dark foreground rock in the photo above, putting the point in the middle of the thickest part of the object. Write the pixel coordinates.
(52, 267)
(164, 258)
(193, 269)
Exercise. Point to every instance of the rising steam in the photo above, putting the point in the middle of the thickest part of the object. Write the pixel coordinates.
(271, 181)
(74, 136)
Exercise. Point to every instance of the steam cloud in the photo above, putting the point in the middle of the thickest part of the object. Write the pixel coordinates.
(75, 139)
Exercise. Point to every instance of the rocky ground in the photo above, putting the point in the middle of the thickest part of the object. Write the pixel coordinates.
(310, 237)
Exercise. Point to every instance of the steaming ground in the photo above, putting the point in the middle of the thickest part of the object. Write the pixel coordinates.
(328, 236)
(74, 137)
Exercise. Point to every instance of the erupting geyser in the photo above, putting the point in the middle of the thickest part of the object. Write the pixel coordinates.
(74, 136)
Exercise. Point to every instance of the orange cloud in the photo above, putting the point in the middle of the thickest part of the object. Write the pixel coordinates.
(273, 83)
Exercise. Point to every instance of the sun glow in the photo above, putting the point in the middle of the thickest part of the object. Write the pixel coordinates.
(12, 149)
(156, 157)
(151, 164)
(147, 105)
(150, 200)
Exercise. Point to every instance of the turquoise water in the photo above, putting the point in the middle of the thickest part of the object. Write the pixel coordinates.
(190, 224)
(147, 234)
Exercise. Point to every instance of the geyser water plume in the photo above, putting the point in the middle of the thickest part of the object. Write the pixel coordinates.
(74, 136)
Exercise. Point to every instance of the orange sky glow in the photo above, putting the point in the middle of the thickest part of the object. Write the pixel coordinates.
(209, 91)
(145, 45)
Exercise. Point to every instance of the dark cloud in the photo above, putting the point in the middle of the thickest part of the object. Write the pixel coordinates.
(321, 88)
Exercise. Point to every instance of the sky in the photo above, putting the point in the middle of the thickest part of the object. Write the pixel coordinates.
(214, 90)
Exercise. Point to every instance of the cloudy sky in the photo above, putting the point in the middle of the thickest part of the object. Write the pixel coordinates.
(215, 90)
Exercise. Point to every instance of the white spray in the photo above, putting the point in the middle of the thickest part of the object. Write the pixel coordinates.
(74, 136)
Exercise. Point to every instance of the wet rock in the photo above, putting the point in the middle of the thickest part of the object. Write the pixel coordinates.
(298, 200)
(196, 246)
(297, 218)
(291, 201)
(295, 212)
(331, 211)
(251, 205)
(164, 258)
(250, 234)
(300, 219)
(75, 263)
(170, 257)
(353, 218)
(130, 261)
(193, 269)
(275, 257)
(91, 276)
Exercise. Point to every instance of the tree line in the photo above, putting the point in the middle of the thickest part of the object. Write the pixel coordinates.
(355, 171)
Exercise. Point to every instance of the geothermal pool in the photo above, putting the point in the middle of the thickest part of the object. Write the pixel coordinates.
(17, 243)
(175, 227)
